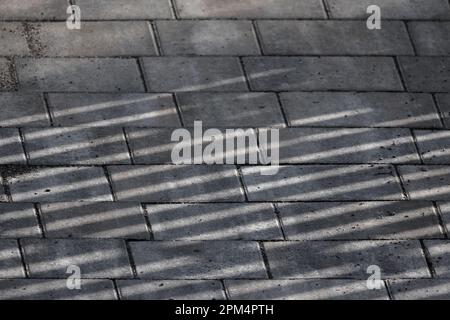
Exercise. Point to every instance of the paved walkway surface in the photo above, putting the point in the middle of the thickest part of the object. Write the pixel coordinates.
(86, 176)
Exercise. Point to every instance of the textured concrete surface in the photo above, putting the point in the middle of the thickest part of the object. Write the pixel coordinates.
(87, 179)
(171, 289)
(116, 110)
(207, 38)
(302, 290)
(198, 260)
(115, 38)
(219, 221)
(77, 74)
(346, 259)
(55, 289)
(96, 258)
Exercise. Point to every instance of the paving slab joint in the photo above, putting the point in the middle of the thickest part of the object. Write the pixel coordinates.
(283, 112)
(224, 290)
(427, 256)
(388, 289)
(442, 225)
(326, 7)
(408, 32)
(400, 74)
(241, 181)
(109, 179)
(265, 259)
(156, 38)
(174, 9)
(178, 108)
(258, 37)
(22, 259)
(22, 143)
(416, 145)
(244, 72)
(401, 182)
(438, 109)
(147, 221)
(116, 290)
(131, 260)
(142, 73)
(127, 142)
(38, 213)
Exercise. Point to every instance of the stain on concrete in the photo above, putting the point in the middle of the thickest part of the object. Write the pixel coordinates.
(31, 32)
(8, 80)
(13, 171)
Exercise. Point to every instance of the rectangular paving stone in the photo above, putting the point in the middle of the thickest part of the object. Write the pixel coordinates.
(10, 261)
(230, 110)
(324, 289)
(124, 10)
(346, 259)
(351, 145)
(34, 10)
(55, 289)
(176, 183)
(36, 184)
(213, 221)
(439, 251)
(430, 38)
(76, 145)
(48, 258)
(18, 220)
(426, 74)
(322, 73)
(434, 146)
(420, 289)
(198, 260)
(322, 182)
(403, 10)
(103, 39)
(444, 209)
(170, 290)
(22, 110)
(176, 74)
(155, 146)
(104, 109)
(426, 182)
(332, 38)
(353, 109)
(78, 74)
(443, 101)
(11, 150)
(94, 220)
(250, 9)
(359, 220)
(213, 37)
(13, 35)
(8, 81)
